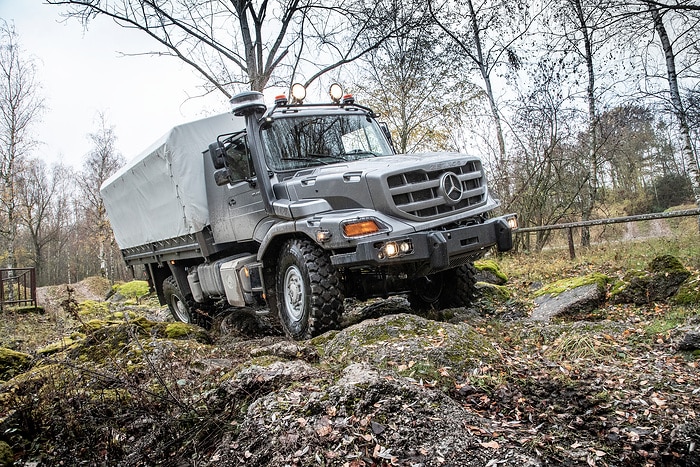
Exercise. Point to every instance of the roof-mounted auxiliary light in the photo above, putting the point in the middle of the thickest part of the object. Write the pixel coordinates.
(281, 100)
(298, 93)
(247, 102)
(336, 92)
(348, 99)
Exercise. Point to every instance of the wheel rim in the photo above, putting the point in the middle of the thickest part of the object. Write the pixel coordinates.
(294, 293)
(180, 310)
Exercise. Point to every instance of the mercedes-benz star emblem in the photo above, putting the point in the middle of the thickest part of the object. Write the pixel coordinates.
(451, 188)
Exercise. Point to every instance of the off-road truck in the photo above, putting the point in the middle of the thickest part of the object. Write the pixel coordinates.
(291, 210)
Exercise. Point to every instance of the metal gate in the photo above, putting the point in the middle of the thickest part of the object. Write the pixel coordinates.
(17, 288)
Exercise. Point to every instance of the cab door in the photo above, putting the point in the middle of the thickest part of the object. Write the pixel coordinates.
(235, 207)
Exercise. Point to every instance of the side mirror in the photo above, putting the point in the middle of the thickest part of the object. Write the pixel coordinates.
(221, 177)
(216, 152)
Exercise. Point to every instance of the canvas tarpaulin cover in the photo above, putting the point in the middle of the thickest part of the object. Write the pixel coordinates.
(161, 193)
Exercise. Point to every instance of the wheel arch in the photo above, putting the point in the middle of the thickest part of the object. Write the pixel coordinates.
(268, 253)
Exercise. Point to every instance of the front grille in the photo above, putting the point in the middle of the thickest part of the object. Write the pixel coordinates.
(418, 193)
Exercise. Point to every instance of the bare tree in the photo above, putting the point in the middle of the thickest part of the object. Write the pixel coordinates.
(101, 162)
(37, 193)
(20, 107)
(235, 43)
(677, 105)
(413, 84)
(486, 34)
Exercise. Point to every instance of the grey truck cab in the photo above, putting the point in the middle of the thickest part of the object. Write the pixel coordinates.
(292, 209)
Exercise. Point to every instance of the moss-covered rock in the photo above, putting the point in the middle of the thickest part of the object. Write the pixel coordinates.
(133, 290)
(12, 363)
(93, 309)
(64, 344)
(560, 286)
(492, 293)
(689, 292)
(412, 346)
(7, 457)
(181, 331)
(488, 270)
(573, 298)
(661, 280)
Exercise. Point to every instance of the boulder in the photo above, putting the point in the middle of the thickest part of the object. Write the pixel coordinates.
(570, 297)
(12, 363)
(661, 280)
(691, 341)
(487, 270)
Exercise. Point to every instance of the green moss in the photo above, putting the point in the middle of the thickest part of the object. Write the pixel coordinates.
(178, 330)
(12, 363)
(93, 308)
(556, 288)
(63, 344)
(132, 290)
(689, 293)
(666, 264)
(492, 267)
(27, 309)
(493, 292)
(7, 457)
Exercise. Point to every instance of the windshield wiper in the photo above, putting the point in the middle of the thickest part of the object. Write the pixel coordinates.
(359, 152)
(327, 156)
(304, 159)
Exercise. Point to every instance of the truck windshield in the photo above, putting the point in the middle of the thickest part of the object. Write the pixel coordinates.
(292, 143)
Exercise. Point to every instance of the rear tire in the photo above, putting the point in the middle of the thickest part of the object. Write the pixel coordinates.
(453, 288)
(309, 294)
(176, 301)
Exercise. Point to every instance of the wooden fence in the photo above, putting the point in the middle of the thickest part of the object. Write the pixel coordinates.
(570, 226)
(17, 288)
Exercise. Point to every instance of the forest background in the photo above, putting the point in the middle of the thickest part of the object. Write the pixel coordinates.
(580, 109)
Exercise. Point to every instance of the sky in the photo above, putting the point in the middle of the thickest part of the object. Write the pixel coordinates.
(84, 72)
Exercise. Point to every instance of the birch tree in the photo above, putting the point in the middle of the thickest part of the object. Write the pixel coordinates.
(101, 162)
(677, 105)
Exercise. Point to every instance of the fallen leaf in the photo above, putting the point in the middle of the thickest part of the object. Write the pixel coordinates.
(490, 444)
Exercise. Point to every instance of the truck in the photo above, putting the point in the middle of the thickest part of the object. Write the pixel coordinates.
(292, 208)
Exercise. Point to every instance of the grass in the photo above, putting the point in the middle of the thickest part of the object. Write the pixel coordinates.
(607, 254)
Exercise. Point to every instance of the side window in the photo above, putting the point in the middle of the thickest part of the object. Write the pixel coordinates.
(238, 160)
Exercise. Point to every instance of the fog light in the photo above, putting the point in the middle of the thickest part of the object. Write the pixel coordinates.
(390, 249)
(406, 247)
(513, 222)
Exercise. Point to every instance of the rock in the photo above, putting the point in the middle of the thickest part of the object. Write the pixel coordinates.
(287, 349)
(661, 280)
(487, 270)
(403, 338)
(689, 292)
(267, 378)
(7, 457)
(492, 293)
(12, 363)
(569, 297)
(691, 341)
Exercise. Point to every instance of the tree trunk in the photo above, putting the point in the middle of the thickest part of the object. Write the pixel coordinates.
(678, 108)
(503, 183)
(591, 193)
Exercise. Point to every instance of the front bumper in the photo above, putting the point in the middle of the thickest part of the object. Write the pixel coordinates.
(441, 249)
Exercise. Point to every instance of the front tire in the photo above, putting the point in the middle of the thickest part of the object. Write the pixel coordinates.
(309, 294)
